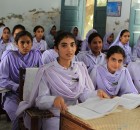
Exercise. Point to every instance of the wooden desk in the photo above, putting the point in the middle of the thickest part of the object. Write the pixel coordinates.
(124, 120)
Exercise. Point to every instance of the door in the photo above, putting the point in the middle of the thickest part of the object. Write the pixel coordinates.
(99, 20)
(72, 14)
(134, 25)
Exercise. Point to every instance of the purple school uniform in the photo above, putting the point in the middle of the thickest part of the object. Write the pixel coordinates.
(49, 56)
(42, 45)
(11, 46)
(2, 44)
(106, 45)
(126, 48)
(9, 77)
(78, 37)
(84, 46)
(134, 70)
(91, 60)
(115, 84)
(72, 84)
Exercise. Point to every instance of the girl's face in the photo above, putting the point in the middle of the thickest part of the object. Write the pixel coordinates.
(39, 33)
(24, 44)
(125, 38)
(96, 45)
(6, 34)
(66, 49)
(16, 32)
(110, 39)
(53, 30)
(75, 31)
(114, 62)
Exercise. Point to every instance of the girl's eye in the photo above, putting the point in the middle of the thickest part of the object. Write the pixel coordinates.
(73, 45)
(64, 45)
(22, 42)
(113, 59)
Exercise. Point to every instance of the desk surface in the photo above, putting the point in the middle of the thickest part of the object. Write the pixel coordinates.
(124, 120)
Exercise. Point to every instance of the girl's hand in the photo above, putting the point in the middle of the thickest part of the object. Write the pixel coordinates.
(60, 104)
(102, 94)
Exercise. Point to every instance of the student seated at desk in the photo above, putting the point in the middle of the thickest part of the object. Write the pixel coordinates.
(134, 69)
(122, 40)
(9, 71)
(112, 77)
(62, 83)
(5, 38)
(51, 31)
(94, 56)
(107, 41)
(16, 29)
(38, 40)
(84, 46)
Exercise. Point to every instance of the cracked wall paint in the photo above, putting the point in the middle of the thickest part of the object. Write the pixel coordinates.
(32, 18)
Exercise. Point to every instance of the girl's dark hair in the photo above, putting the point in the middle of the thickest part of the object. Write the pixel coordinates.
(2, 24)
(123, 31)
(92, 36)
(115, 49)
(23, 33)
(37, 27)
(18, 26)
(62, 35)
(7, 28)
(53, 27)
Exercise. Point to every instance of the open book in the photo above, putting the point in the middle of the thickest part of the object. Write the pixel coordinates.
(96, 107)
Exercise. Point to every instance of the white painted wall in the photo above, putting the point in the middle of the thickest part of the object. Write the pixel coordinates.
(116, 24)
(45, 12)
(30, 13)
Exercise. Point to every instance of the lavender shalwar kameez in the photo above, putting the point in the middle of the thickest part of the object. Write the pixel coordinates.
(106, 45)
(42, 45)
(126, 48)
(78, 37)
(84, 46)
(51, 55)
(2, 44)
(49, 37)
(91, 60)
(134, 70)
(115, 84)
(72, 84)
(9, 77)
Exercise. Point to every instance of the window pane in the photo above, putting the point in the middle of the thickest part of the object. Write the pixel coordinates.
(101, 3)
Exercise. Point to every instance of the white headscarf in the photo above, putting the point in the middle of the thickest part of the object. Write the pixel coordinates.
(126, 48)
(105, 43)
(85, 42)
(78, 37)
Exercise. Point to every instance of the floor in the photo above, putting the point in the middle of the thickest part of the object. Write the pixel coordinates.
(4, 125)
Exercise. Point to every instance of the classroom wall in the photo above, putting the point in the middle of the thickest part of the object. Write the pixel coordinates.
(115, 24)
(47, 12)
(30, 13)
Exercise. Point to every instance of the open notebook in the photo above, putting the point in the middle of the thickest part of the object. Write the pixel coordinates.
(96, 107)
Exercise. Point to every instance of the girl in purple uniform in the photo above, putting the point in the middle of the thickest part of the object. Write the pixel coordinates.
(94, 56)
(38, 41)
(122, 40)
(4, 39)
(112, 77)
(9, 74)
(61, 83)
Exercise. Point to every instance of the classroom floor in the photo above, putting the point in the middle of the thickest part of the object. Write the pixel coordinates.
(4, 125)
